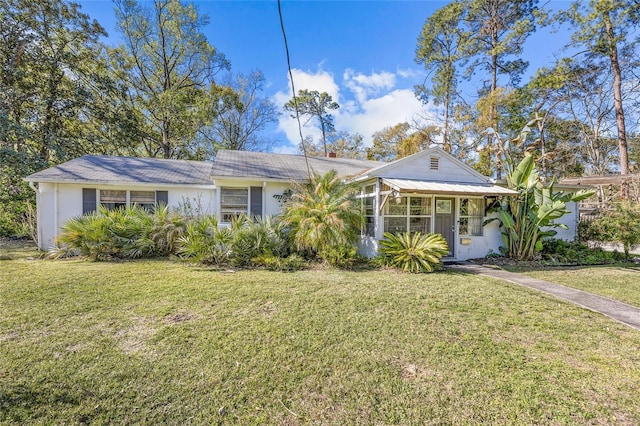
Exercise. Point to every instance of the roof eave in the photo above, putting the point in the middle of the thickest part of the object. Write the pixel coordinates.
(121, 183)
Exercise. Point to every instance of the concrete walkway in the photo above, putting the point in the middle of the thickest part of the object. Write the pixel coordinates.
(619, 311)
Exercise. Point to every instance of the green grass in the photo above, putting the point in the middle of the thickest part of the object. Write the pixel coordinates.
(161, 342)
(616, 282)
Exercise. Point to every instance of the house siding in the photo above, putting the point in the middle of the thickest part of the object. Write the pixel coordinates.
(448, 171)
(59, 202)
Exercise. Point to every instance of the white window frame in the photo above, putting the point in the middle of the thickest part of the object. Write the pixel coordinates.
(368, 194)
(127, 201)
(465, 226)
(428, 215)
(237, 209)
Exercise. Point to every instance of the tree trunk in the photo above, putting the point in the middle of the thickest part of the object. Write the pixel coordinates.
(494, 104)
(446, 144)
(617, 100)
(166, 143)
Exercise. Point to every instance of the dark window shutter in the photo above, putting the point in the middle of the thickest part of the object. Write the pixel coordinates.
(256, 202)
(88, 200)
(162, 197)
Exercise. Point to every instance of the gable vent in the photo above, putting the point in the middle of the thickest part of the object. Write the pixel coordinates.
(435, 163)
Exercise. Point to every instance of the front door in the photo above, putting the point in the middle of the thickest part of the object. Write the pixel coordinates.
(445, 219)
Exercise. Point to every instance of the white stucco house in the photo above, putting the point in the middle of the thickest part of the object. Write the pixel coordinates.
(430, 191)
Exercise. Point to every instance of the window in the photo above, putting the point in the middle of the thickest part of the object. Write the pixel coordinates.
(368, 210)
(233, 203)
(113, 199)
(411, 214)
(420, 215)
(471, 216)
(144, 199)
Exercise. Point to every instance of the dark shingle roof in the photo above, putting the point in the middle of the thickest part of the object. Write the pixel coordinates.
(107, 169)
(283, 166)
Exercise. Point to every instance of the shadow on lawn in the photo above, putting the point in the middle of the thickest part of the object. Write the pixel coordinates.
(19, 403)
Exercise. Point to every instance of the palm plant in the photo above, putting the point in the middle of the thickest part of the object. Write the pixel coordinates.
(256, 238)
(529, 217)
(166, 227)
(413, 252)
(204, 242)
(322, 214)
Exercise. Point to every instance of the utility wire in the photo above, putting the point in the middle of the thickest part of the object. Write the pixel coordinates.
(293, 89)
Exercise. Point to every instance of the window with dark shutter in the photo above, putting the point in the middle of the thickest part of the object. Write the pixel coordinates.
(256, 202)
(162, 197)
(88, 200)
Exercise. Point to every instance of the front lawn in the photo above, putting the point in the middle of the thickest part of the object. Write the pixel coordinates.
(616, 282)
(161, 342)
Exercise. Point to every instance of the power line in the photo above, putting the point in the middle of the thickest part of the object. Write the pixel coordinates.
(293, 89)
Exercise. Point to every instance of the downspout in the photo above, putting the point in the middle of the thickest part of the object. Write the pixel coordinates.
(55, 208)
(38, 222)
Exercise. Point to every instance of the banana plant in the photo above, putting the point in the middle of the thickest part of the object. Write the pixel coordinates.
(528, 218)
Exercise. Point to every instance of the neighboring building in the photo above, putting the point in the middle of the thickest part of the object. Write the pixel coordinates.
(430, 191)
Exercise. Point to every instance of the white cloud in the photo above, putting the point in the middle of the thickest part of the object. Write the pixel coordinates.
(377, 113)
(368, 103)
(363, 86)
(410, 73)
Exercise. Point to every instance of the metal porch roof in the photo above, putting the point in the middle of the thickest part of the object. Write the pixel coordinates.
(450, 188)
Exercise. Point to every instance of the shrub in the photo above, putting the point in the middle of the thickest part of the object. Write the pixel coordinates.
(561, 252)
(203, 242)
(167, 226)
(527, 219)
(130, 232)
(414, 252)
(252, 239)
(621, 225)
(342, 256)
(322, 214)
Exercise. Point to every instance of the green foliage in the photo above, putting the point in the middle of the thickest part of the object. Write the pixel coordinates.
(413, 252)
(559, 252)
(128, 233)
(621, 225)
(238, 124)
(529, 217)
(316, 105)
(442, 45)
(204, 242)
(603, 31)
(322, 214)
(17, 200)
(401, 140)
(169, 67)
(344, 257)
(252, 239)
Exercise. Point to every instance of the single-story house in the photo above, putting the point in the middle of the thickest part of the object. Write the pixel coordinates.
(430, 191)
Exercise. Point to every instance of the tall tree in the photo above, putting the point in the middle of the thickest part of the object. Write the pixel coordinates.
(50, 72)
(387, 142)
(239, 124)
(169, 67)
(587, 104)
(604, 29)
(401, 140)
(315, 105)
(499, 28)
(442, 45)
(56, 97)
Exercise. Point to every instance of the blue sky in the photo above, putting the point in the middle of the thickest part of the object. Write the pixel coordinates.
(360, 52)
